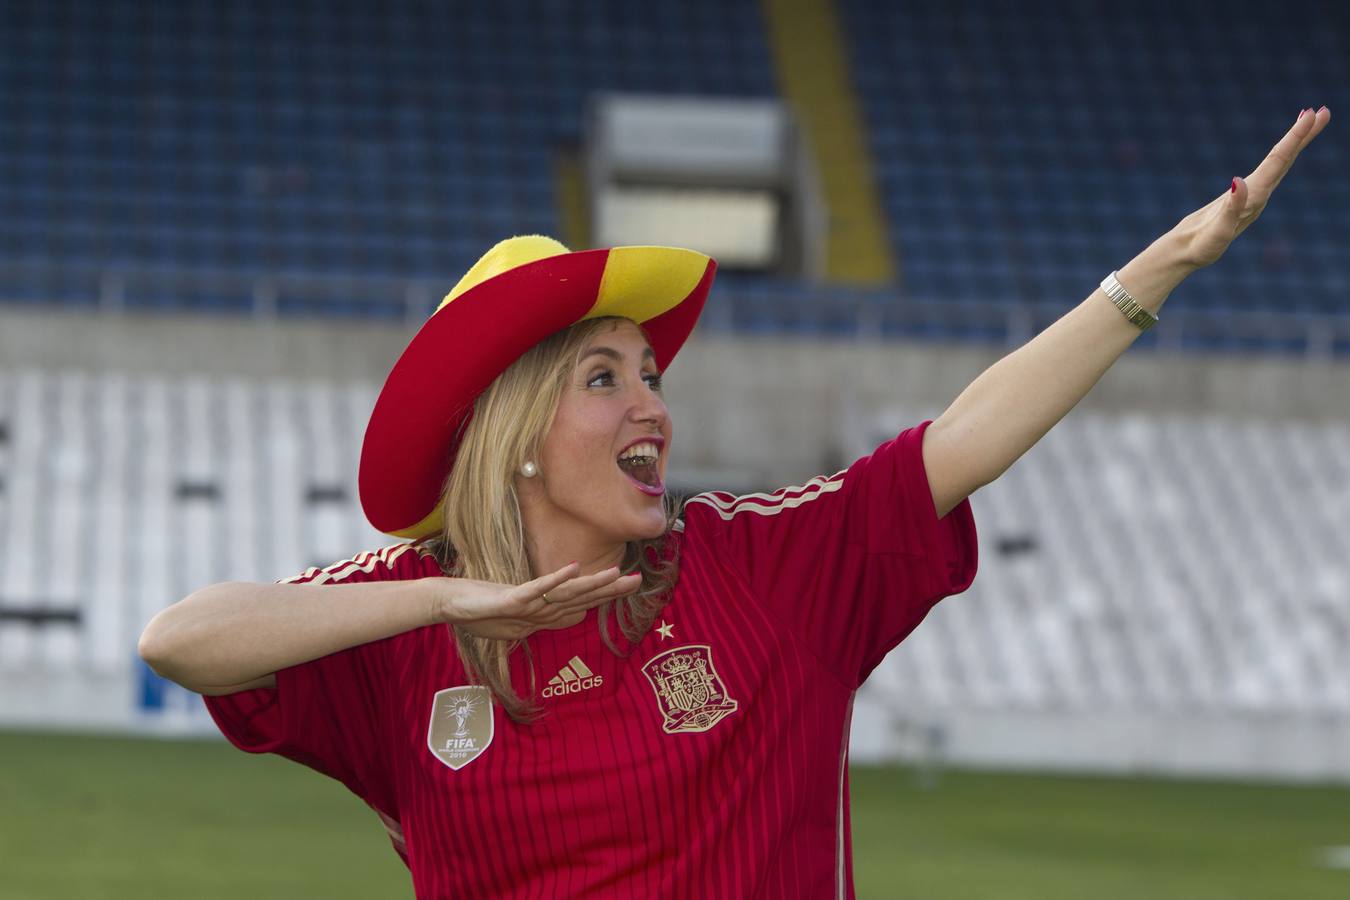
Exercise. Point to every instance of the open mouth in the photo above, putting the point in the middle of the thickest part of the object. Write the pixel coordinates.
(639, 464)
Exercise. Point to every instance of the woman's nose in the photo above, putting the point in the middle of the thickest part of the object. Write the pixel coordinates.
(649, 407)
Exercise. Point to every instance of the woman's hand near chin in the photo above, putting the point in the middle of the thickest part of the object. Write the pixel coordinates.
(512, 612)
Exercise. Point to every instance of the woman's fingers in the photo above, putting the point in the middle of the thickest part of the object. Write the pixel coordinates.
(1267, 176)
(568, 596)
(619, 587)
(536, 589)
(578, 591)
(552, 613)
(565, 586)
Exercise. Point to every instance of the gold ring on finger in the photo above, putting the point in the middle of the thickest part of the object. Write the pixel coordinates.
(544, 597)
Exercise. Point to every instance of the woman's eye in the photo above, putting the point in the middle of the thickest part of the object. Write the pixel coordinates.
(653, 379)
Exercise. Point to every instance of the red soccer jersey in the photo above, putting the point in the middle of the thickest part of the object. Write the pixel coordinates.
(711, 761)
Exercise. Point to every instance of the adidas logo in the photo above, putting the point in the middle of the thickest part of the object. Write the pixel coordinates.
(573, 678)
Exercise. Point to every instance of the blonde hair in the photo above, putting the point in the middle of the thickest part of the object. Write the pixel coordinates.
(482, 535)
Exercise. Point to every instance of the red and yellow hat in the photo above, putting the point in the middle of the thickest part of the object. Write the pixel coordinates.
(520, 292)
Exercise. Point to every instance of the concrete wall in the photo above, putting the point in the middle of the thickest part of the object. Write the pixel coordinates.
(747, 410)
(1293, 748)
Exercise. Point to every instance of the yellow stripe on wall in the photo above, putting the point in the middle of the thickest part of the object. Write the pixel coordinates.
(573, 216)
(811, 62)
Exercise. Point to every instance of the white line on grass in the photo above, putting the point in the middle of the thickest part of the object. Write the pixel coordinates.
(1336, 857)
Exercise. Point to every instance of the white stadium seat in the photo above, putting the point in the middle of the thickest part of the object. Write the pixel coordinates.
(1151, 563)
(1194, 564)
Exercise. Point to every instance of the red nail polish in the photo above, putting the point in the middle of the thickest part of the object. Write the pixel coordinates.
(1233, 189)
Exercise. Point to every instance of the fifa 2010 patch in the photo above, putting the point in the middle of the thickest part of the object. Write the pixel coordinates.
(461, 725)
(691, 695)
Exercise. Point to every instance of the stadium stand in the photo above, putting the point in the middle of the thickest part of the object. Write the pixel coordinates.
(1057, 151)
(1124, 570)
(1120, 568)
(381, 143)
(303, 159)
(321, 160)
(115, 473)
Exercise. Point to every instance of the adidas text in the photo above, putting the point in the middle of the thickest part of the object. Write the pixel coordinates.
(573, 687)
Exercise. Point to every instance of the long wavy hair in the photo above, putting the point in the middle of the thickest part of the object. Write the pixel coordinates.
(482, 535)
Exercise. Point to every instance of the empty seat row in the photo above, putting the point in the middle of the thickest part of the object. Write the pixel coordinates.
(1233, 597)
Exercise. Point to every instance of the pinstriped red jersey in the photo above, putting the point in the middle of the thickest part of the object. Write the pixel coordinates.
(710, 761)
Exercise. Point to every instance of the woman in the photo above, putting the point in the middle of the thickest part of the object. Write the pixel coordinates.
(526, 719)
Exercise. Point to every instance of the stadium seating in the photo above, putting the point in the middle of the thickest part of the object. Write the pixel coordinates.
(145, 489)
(1037, 145)
(296, 138)
(1127, 562)
(361, 157)
(1151, 563)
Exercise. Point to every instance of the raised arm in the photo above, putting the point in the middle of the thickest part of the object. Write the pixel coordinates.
(1014, 402)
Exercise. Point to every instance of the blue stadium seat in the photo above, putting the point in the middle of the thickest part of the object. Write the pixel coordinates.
(1023, 134)
(402, 142)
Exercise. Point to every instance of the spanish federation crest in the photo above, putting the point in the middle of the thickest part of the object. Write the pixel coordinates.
(691, 695)
(461, 724)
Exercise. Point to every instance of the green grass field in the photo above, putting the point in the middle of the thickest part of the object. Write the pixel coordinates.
(98, 817)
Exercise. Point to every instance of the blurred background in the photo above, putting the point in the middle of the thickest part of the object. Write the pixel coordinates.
(221, 223)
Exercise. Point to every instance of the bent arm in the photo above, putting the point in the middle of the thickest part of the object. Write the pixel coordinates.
(234, 635)
(1014, 402)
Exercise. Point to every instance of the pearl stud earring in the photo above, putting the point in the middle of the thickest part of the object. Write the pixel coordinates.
(529, 470)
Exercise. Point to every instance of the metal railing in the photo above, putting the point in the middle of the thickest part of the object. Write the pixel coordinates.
(827, 310)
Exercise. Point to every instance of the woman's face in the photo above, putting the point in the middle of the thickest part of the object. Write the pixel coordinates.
(611, 403)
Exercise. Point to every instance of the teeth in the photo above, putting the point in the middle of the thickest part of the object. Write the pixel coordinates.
(647, 450)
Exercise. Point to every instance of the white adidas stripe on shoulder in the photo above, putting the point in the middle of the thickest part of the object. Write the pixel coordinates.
(728, 505)
(362, 562)
(394, 828)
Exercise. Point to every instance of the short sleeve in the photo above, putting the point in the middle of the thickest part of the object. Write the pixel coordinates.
(852, 561)
(329, 713)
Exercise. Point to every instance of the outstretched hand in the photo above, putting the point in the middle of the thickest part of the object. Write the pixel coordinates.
(1206, 233)
(513, 612)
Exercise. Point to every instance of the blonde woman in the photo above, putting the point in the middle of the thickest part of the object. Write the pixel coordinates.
(555, 687)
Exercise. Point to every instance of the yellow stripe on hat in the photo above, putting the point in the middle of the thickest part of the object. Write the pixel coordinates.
(506, 255)
(640, 283)
(430, 523)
